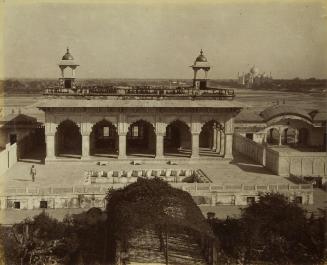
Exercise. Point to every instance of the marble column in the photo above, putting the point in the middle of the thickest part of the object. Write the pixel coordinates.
(214, 138)
(296, 136)
(122, 146)
(279, 138)
(195, 145)
(222, 144)
(85, 146)
(218, 146)
(228, 145)
(50, 147)
(159, 146)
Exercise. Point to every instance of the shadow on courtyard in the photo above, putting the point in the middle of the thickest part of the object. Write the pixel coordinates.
(35, 156)
(249, 166)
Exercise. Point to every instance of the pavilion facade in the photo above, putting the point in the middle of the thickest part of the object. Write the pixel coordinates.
(156, 122)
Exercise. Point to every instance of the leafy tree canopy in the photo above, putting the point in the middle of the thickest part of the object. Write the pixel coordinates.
(152, 202)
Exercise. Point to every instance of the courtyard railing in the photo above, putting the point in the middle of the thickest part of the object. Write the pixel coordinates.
(142, 92)
(190, 187)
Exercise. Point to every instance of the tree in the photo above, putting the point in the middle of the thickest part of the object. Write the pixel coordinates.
(272, 230)
(278, 231)
(151, 202)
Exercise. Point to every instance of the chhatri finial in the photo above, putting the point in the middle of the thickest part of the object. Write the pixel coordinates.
(67, 49)
(201, 52)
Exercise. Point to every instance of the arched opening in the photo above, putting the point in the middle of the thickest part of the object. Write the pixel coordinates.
(68, 139)
(178, 139)
(141, 139)
(273, 136)
(303, 136)
(209, 138)
(104, 139)
(290, 136)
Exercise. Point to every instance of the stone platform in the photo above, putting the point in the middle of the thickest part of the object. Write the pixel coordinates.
(61, 185)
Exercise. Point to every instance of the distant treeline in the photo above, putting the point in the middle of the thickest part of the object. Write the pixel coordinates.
(37, 86)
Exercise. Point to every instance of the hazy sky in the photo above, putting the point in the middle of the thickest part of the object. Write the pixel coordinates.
(157, 40)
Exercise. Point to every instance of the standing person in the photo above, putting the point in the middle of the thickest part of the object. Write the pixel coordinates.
(33, 173)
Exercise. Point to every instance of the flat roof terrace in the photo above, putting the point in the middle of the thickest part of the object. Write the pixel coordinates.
(142, 92)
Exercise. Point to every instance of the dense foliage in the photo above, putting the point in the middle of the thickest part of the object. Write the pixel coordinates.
(272, 230)
(44, 240)
(269, 231)
(152, 202)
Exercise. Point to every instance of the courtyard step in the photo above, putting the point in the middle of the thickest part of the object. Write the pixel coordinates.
(182, 249)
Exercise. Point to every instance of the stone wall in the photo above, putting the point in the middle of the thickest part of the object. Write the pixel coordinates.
(94, 195)
(8, 157)
(249, 148)
(297, 163)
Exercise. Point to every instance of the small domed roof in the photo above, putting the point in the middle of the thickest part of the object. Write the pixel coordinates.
(67, 56)
(281, 110)
(201, 57)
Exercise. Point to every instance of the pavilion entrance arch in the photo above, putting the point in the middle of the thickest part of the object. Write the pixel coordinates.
(273, 136)
(104, 139)
(178, 139)
(68, 140)
(141, 139)
(210, 138)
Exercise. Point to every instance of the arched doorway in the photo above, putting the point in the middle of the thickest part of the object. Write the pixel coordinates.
(68, 139)
(273, 136)
(209, 138)
(141, 139)
(289, 137)
(178, 139)
(104, 139)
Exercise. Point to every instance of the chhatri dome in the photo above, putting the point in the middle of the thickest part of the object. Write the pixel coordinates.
(201, 57)
(67, 56)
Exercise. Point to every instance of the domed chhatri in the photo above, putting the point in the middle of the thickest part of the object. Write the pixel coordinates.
(201, 64)
(201, 57)
(68, 66)
(67, 55)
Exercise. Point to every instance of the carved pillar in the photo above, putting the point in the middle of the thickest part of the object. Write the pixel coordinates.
(218, 145)
(50, 141)
(296, 136)
(214, 137)
(159, 145)
(122, 146)
(280, 137)
(85, 131)
(50, 147)
(85, 146)
(122, 132)
(195, 145)
(229, 139)
(228, 145)
(222, 143)
(160, 135)
(195, 132)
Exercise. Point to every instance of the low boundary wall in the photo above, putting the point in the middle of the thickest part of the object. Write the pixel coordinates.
(94, 195)
(283, 163)
(297, 163)
(8, 157)
(249, 148)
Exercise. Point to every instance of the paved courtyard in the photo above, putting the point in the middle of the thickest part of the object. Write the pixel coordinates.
(238, 171)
